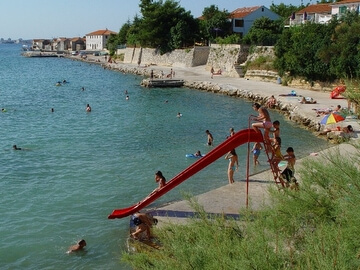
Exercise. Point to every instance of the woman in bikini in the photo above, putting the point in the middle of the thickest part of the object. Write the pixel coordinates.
(263, 121)
(233, 165)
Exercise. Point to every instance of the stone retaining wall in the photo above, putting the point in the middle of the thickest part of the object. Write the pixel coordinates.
(195, 56)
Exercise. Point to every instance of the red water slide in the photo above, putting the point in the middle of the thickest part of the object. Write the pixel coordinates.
(241, 137)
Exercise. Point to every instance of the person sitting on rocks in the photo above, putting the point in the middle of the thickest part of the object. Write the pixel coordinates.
(271, 102)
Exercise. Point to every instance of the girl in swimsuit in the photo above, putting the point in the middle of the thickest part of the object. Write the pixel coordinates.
(277, 156)
(233, 165)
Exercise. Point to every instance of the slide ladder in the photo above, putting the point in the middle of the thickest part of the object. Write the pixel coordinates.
(274, 167)
(270, 154)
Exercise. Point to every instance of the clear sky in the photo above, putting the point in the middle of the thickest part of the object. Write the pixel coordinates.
(32, 19)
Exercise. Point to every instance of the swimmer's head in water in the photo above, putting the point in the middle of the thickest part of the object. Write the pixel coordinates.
(82, 243)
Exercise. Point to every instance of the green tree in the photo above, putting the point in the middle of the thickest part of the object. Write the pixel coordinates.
(299, 49)
(124, 32)
(185, 32)
(160, 21)
(264, 32)
(283, 10)
(133, 32)
(344, 50)
(112, 43)
(214, 23)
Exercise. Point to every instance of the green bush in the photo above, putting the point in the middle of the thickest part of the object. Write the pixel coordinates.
(261, 62)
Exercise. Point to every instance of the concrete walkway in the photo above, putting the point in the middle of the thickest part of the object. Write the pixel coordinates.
(229, 199)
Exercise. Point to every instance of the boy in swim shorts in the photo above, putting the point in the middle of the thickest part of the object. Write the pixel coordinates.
(256, 152)
(288, 173)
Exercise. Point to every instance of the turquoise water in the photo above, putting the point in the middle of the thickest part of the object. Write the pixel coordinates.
(80, 166)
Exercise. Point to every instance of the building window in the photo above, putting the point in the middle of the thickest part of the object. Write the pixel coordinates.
(342, 9)
(239, 23)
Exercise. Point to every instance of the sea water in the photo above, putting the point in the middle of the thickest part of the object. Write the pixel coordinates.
(79, 166)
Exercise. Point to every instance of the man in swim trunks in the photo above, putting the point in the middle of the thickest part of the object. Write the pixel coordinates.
(263, 120)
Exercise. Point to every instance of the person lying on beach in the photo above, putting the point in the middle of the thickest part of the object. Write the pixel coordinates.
(347, 129)
(291, 94)
(79, 246)
(307, 100)
(322, 111)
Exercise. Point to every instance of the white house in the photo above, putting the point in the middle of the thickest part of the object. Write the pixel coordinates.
(323, 13)
(320, 13)
(97, 40)
(340, 8)
(243, 18)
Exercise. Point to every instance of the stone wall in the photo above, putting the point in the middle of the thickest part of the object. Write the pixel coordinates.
(178, 58)
(227, 58)
(231, 59)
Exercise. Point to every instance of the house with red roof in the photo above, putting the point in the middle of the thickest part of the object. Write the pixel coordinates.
(340, 8)
(323, 13)
(243, 18)
(97, 40)
(320, 13)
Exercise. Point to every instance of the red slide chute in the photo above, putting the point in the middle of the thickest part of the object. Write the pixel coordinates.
(241, 137)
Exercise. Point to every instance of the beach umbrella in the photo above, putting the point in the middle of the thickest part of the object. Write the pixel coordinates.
(331, 118)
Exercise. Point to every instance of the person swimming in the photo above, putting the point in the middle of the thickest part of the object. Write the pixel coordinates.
(16, 148)
(79, 246)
